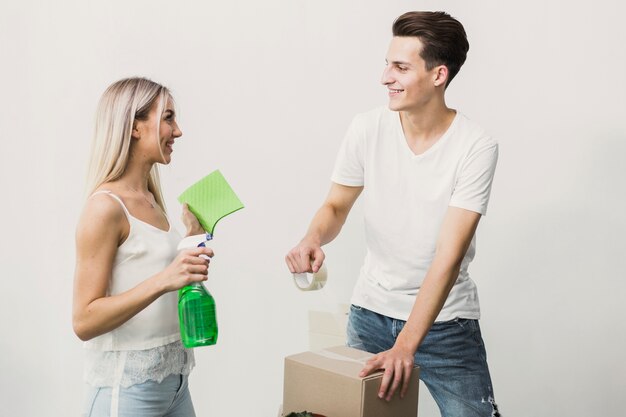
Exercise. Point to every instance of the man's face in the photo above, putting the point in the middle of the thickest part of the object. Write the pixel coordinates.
(410, 85)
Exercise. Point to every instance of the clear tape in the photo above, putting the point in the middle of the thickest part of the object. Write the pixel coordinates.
(311, 281)
(362, 359)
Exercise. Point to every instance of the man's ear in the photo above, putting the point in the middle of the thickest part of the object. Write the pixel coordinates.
(441, 76)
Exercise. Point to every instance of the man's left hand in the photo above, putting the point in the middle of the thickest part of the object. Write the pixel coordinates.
(397, 364)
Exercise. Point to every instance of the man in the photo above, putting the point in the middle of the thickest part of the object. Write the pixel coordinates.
(426, 172)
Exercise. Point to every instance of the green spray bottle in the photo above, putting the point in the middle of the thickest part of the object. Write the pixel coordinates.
(196, 313)
(210, 200)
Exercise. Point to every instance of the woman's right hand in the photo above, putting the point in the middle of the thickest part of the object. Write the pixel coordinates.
(190, 265)
(191, 222)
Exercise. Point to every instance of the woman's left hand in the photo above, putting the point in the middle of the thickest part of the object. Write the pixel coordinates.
(191, 222)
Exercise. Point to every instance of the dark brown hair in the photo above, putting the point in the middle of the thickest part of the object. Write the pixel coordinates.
(443, 38)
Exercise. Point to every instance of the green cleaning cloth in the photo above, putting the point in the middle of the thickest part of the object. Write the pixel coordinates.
(211, 199)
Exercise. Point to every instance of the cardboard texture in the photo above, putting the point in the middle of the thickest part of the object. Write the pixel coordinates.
(326, 382)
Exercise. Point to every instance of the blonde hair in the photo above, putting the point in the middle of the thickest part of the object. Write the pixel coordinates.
(124, 102)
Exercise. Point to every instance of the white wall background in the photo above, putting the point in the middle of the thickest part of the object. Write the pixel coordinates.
(266, 90)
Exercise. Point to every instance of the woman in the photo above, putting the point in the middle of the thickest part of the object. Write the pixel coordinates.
(127, 264)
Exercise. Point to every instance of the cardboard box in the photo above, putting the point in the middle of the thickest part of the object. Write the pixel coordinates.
(326, 382)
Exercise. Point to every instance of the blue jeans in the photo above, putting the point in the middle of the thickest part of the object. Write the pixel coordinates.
(169, 398)
(452, 360)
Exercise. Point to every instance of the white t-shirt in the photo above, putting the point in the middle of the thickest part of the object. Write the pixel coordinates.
(406, 197)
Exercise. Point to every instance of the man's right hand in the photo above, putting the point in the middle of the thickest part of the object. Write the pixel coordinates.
(307, 256)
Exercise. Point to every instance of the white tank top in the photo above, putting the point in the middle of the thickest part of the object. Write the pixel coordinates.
(146, 251)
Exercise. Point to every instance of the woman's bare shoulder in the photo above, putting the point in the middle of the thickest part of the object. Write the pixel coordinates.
(102, 215)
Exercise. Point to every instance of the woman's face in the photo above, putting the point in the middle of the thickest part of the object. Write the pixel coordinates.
(158, 150)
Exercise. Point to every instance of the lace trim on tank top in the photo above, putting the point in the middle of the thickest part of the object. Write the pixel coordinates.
(131, 367)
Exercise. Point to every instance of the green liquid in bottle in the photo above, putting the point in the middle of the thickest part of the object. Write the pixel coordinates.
(196, 314)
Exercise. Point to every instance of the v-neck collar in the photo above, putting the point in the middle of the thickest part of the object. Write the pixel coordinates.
(434, 147)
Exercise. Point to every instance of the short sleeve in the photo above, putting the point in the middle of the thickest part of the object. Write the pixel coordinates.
(473, 184)
(349, 165)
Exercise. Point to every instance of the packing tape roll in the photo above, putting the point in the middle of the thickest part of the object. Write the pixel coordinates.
(311, 281)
